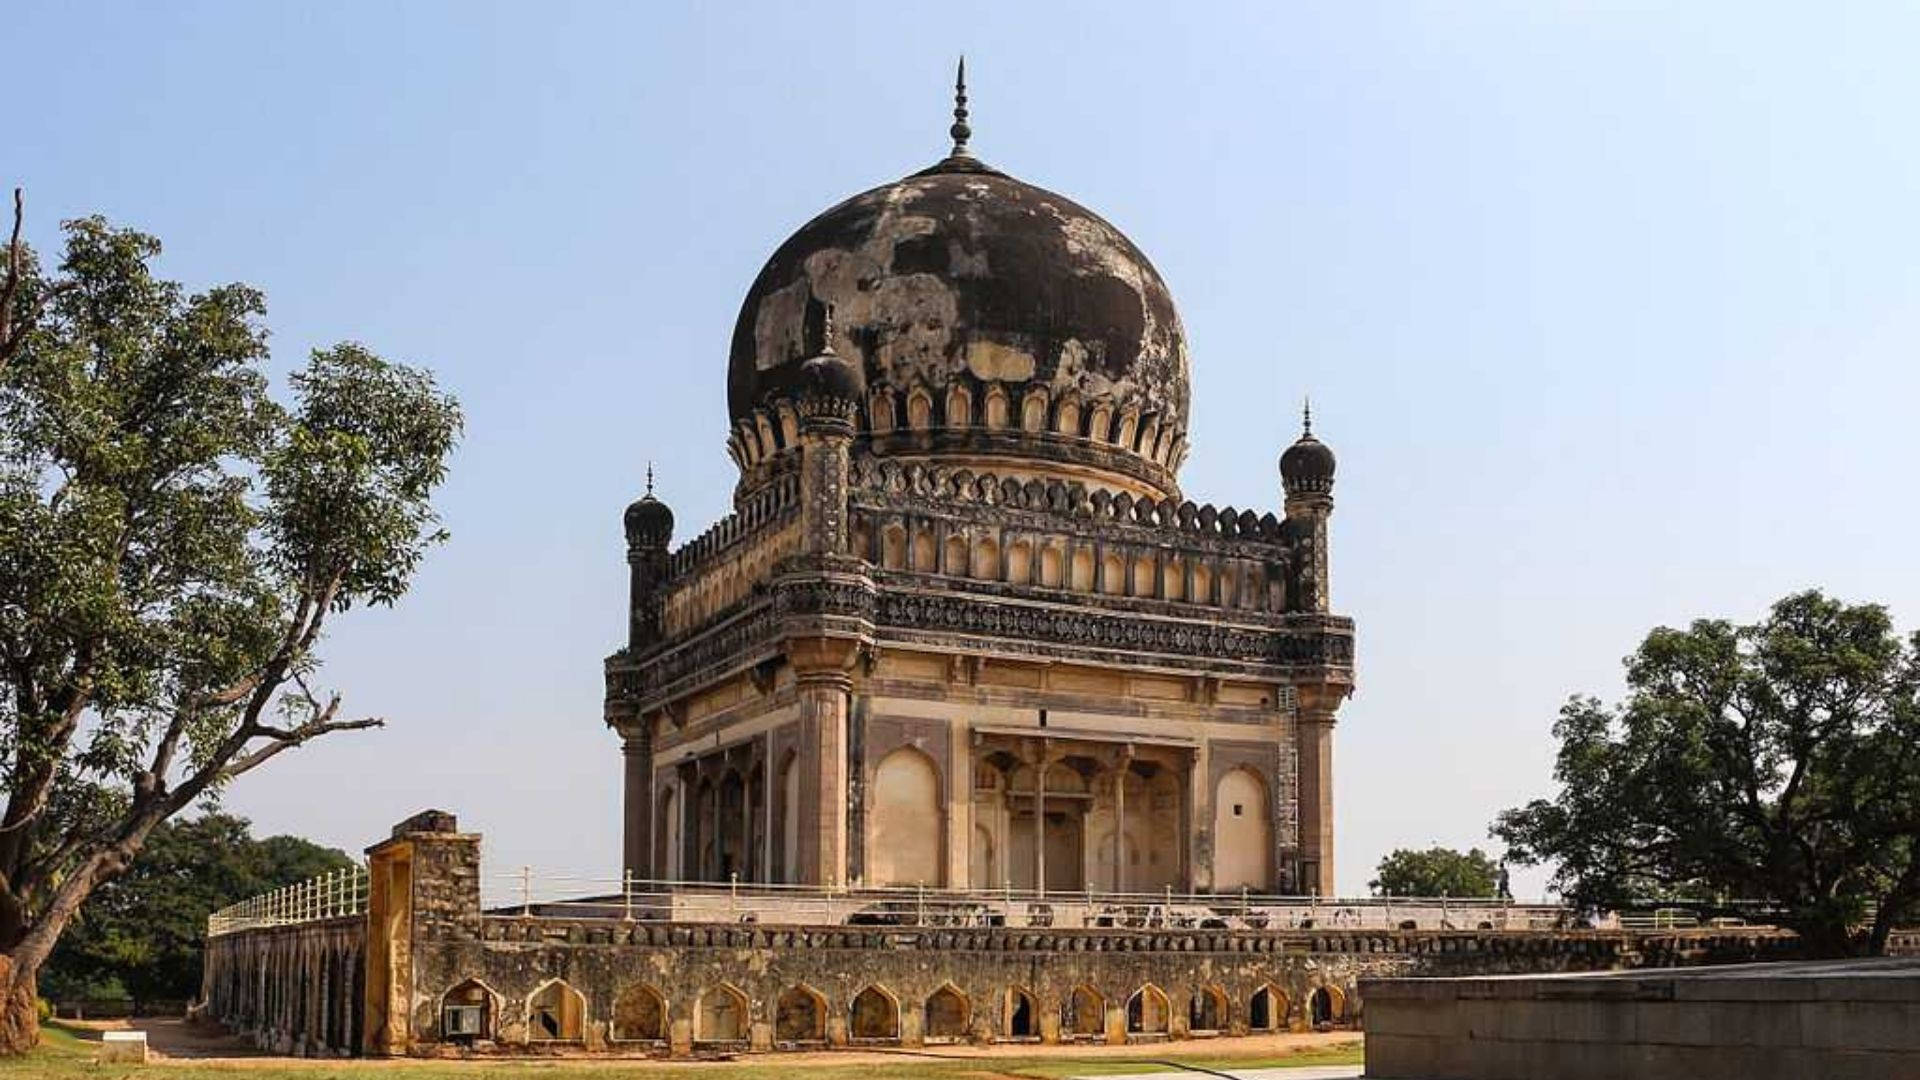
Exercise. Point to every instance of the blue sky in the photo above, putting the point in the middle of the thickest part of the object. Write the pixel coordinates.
(1609, 309)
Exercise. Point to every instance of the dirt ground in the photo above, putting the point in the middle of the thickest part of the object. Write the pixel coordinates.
(209, 1044)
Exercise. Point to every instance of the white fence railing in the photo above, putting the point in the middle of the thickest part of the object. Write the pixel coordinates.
(342, 892)
(526, 893)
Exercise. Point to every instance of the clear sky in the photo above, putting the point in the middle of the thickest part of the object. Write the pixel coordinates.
(1609, 309)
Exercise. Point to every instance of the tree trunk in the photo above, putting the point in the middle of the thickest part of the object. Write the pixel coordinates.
(19, 1010)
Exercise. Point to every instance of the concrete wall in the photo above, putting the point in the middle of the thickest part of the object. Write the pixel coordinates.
(1835, 1021)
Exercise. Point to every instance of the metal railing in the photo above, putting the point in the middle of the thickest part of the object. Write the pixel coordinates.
(525, 893)
(331, 895)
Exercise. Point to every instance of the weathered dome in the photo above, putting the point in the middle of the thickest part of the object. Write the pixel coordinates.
(1307, 465)
(648, 521)
(963, 276)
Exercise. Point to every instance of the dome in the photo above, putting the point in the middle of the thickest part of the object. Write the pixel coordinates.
(649, 522)
(1307, 465)
(960, 276)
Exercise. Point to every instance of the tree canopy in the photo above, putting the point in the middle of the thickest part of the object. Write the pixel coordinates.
(1437, 871)
(173, 541)
(1776, 762)
(141, 934)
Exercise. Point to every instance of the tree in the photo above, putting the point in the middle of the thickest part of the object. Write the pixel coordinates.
(172, 544)
(1436, 871)
(141, 934)
(1778, 762)
(13, 322)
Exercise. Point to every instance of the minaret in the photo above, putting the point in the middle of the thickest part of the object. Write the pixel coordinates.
(649, 528)
(1306, 473)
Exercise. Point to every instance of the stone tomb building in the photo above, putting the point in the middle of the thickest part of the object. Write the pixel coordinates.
(963, 629)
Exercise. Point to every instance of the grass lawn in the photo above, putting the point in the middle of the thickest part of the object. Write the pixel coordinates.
(64, 1055)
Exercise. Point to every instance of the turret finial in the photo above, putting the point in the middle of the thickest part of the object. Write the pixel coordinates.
(649, 477)
(1306, 417)
(826, 331)
(960, 131)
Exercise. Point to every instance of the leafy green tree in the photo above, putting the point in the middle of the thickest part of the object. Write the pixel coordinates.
(172, 543)
(141, 934)
(1436, 871)
(1778, 761)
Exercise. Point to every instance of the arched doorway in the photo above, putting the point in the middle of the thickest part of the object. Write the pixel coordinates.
(1023, 1018)
(556, 1013)
(874, 1015)
(466, 1012)
(1326, 1006)
(721, 1015)
(1084, 1013)
(1147, 1011)
(800, 1016)
(1243, 833)
(1267, 1009)
(904, 845)
(1207, 1010)
(640, 1013)
(946, 1014)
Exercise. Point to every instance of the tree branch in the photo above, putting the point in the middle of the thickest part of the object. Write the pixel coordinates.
(11, 335)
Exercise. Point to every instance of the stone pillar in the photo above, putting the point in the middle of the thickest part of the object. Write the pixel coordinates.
(959, 809)
(640, 861)
(1197, 809)
(1120, 819)
(1314, 755)
(822, 669)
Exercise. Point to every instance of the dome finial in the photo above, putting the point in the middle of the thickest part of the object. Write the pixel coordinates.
(960, 131)
(826, 331)
(1306, 417)
(649, 477)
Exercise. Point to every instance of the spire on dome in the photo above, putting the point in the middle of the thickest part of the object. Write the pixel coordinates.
(960, 131)
(1306, 417)
(649, 477)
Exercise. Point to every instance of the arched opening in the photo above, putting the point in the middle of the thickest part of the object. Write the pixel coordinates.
(1207, 1010)
(1267, 1009)
(467, 1012)
(874, 1015)
(720, 1015)
(880, 410)
(946, 1014)
(640, 1013)
(1083, 1013)
(1147, 1011)
(919, 409)
(732, 850)
(800, 1016)
(1023, 1018)
(1066, 420)
(1202, 584)
(706, 844)
(1083, 570)
(666, 830)
(986, 559)
(959, 407)
(1113, 575)
(924, 552)
(1033, 411)
(996, 409)
(893, 548)
(956, 563)
(1050, 566)
(556, 1013)
(1243, 833)
(1326, 1006)
(904, 845)
(1019, 563)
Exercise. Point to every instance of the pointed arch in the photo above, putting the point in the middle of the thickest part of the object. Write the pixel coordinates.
(986, 559)
(1207, 1010)
(905, 821)
(893, 546)
(639, 1014)
(1147, 1011)
(1326, 1006)
(1243, 832)
(874, 1014)
(1083, 1012)
(946, 1014)
(1022, 1013)
(800, 1015)
(720, 1015)
(468, 1010)
(1267, 1009)
(959, 406)
(556, 1012)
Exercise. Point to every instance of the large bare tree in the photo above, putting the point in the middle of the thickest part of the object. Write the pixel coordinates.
(173, 541)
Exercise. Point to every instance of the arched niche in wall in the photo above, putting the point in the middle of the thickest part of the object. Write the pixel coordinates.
(905, 821)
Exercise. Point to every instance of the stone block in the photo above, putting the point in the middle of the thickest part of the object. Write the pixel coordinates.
(123, 1048)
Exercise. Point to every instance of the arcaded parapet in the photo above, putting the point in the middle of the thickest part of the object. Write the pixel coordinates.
(290, 989)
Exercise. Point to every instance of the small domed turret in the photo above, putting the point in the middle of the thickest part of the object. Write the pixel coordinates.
(649, 521)
(1307, 466)
(826, 374)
